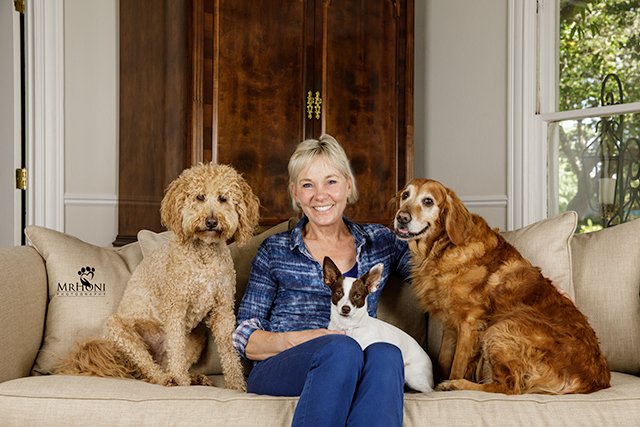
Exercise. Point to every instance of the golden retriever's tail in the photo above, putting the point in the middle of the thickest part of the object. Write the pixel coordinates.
(97, 357)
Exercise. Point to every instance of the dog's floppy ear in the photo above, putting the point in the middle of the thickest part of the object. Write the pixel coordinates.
(170, 207)
(248, 211)
(372, 277)
(330, 271)
(458, 221)
(394, 202)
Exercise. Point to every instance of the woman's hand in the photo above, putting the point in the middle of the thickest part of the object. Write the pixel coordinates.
(263, 344)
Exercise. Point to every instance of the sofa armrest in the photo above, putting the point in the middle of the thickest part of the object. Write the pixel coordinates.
(23, 304)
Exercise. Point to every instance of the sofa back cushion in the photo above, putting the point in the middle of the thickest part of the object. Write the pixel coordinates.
(606, 275)
(546, 244)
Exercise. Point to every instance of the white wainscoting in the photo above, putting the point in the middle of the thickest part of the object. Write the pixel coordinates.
(493, 208)
(92, 217)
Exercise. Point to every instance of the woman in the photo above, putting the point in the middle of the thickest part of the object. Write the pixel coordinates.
(285, 311)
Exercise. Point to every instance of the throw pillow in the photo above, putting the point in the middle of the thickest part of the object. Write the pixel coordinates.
(546, 244)
(606, 274)
(85, 285)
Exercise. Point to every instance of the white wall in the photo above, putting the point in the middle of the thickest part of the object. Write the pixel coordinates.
(460, 108)
(9, 124)
(461, 99)
(91, 119)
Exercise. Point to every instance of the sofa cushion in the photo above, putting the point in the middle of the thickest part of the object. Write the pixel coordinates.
(61, 400)
(85, 284)
(545, 244)
(76, 401)
(606, 273)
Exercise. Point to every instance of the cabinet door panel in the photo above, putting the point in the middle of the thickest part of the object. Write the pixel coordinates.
(363, 72)
(154, 72)
(258, 93)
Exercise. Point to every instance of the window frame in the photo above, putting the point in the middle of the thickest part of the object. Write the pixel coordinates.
(533, 78)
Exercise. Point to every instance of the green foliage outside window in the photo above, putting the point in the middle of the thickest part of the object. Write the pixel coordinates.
(596, 38)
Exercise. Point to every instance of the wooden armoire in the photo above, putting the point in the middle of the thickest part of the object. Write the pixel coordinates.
(242, 82)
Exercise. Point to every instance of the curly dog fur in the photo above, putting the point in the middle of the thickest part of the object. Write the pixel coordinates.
(153, 335)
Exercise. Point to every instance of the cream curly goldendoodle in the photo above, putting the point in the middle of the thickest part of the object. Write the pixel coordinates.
(153, 336)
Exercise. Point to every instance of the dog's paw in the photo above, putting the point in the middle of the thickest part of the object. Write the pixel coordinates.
(236, 385)
(175, 380)
(167, 381)
(200, 379)
(449, 385)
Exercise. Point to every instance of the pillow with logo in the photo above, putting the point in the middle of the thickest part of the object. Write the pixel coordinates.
(85, 284)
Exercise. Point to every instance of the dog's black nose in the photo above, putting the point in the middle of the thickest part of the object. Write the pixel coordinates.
(211, 223)
(346, 309)
(403, 217)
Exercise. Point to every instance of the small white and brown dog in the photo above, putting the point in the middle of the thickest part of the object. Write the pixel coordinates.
(349, 314)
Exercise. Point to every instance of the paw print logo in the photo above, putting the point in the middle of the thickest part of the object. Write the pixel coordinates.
(85, 274)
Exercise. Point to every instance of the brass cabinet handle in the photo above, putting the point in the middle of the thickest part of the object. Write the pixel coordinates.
(309, 105)
(314, 105)
(318, 103)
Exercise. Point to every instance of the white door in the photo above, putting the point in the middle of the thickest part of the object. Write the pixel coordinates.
(10, 135)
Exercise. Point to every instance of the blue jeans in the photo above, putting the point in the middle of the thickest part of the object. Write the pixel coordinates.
(338, 383)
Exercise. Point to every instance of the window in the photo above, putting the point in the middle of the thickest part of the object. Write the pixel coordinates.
(589, 105)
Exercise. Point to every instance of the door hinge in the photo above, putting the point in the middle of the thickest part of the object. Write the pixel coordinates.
(19, 5)
(21, 179)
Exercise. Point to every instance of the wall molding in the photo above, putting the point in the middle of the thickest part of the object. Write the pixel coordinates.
(45, 112)
(485, 201)
(71, 199)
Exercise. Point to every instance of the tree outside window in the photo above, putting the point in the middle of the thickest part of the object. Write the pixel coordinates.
(596, 157)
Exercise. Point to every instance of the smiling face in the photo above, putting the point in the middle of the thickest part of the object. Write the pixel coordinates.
(421, 203)
(321, 192)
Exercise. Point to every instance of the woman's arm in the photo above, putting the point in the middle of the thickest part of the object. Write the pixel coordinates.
(264, 344)
(256, 301)
(401, 262)
(253, 338)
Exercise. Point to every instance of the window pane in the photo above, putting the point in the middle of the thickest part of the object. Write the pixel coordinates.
(594, 167)
(597, 38)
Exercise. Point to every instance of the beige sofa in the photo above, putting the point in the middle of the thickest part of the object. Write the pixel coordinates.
(44, 309)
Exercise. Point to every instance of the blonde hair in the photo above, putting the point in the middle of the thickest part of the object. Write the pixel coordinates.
(331, 150)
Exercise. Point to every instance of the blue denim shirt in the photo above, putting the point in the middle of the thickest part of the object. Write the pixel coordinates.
(286, 291)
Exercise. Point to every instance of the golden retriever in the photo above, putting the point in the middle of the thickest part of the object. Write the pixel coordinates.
(507, 329)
